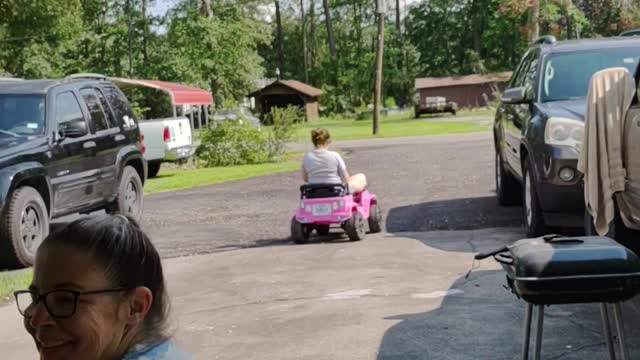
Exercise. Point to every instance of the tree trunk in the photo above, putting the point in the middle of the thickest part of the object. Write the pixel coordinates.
(332, 44)
(534, 21)
(304, 42)
(398, 25)
(279, 39)
(130, 38)
(327, 17)
(205, 8)
(145, 37)
(312, 31)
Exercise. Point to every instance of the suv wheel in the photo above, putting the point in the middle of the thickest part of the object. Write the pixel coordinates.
(508, 189)
(23, 228)
(533, 220)
(130, 200)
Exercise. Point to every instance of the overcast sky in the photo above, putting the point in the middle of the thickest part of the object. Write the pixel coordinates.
(160, 7)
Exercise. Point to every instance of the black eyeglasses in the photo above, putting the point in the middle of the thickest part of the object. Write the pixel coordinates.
(59, 303)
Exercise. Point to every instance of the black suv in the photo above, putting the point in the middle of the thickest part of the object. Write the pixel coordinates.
(66, 146)
(539, 127)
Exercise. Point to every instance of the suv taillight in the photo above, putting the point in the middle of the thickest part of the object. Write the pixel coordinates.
(166, 134)
(141, 143)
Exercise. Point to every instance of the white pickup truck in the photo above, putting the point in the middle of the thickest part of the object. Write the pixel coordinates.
(166, 140)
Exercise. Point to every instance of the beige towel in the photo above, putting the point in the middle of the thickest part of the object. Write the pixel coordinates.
(601, 161)
(629, 200)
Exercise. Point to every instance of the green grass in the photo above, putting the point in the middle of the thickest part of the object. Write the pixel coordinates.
(11, 281)
(176, 179)
(399, 125)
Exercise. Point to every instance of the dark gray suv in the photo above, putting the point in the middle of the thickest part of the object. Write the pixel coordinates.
(539, 126)
(66, 146)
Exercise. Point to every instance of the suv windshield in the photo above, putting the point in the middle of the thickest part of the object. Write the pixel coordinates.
(566, 75)
(21, 114)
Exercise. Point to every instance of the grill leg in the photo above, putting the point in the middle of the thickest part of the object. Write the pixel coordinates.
(617, 315)
(537, 351)
(606, 327)
(527, 331)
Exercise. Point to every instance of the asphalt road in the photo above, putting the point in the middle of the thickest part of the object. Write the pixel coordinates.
(426, 183)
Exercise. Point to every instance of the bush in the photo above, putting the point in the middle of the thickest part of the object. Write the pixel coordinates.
(390, 102)
(284, 120)
(237, 142)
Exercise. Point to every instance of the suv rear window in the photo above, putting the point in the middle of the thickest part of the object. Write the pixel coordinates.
(566, 75)
(98, 118)
(22, 114)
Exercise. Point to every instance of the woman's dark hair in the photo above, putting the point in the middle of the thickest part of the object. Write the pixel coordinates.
(127, 256)
(320, 136)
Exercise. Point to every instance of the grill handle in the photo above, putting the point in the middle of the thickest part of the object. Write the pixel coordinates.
(503, 258)
(483, 256)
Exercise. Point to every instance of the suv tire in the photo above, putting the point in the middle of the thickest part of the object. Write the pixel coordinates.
(153, 168)
(533, 219)
(23, 228)
(130, 199)
(508, 189)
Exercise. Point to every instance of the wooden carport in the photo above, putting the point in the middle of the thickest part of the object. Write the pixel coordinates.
(283, 93)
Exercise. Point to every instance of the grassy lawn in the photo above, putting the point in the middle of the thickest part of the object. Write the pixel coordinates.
(398, 125)
(11, 281)
(176, 179)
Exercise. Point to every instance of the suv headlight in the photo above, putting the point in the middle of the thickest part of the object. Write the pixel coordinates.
(564, 132)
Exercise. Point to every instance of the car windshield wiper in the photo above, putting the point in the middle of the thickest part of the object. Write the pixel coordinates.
(566, 99)
(6, 132)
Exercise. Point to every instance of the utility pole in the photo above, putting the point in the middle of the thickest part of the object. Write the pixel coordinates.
(381, 6)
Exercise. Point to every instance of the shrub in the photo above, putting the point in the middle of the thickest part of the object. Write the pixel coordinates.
(390, 102)
(237, 142)
(284, 120)
(232, 142)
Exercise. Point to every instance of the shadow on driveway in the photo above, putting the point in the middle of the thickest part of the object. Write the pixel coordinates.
(458, 214)
(478, 319)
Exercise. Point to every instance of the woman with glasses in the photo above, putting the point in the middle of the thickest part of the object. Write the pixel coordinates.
(98, 292)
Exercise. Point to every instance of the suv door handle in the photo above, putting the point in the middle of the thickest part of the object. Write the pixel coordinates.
(119, 137)
(89, 145)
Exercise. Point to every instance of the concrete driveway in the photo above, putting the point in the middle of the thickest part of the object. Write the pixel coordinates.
(402, 294)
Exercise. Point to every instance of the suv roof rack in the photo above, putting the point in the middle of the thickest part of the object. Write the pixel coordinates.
(634, 32)
(546, 40)
(91, 76)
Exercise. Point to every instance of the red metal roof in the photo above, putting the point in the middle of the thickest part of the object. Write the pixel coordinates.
(435, 82)
(180, 94)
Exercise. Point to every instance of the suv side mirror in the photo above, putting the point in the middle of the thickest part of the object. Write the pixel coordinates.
(514, 96)
(75, 128)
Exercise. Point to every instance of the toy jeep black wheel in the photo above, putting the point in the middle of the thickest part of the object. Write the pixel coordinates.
(23, 228)
(375, 219)
(355, 227)
(300, 233)
(323, 230)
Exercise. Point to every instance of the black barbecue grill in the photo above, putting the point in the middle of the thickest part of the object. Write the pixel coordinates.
(568, 270)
